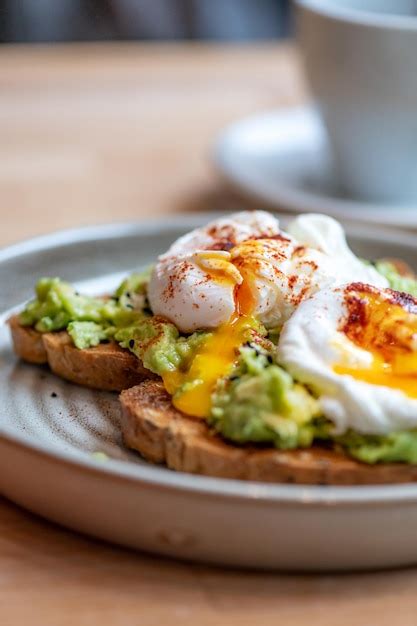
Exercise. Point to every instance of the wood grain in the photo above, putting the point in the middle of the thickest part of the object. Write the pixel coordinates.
(92, 133)
(52, 577)
(97, 133)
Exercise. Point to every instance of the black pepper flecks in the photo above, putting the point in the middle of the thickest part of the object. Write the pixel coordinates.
(54, 395)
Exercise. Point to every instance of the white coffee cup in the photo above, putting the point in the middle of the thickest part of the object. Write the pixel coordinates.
(361, 61)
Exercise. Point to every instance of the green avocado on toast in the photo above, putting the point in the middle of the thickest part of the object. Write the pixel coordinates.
(255, 397)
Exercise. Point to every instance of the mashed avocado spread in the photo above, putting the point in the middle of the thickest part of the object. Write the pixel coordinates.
(89, 320)
(392, 448)
(259, 402)
(396, 281)
(159, 345)
(124, 317)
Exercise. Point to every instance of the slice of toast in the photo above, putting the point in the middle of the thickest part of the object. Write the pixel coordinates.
(27, 342)
(106, 367)
(153, 427)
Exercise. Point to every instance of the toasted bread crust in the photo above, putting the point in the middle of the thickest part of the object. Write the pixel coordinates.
(27, 342)
(106, 367)
(153, 427)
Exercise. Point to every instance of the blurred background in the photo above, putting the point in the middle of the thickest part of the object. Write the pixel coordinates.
(86, 20)
(114, 131)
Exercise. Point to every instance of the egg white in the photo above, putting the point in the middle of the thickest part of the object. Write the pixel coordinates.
(235, 228)
(324, 233)
(185, 293)
(282, 269)
(310, 345)
(179, 291)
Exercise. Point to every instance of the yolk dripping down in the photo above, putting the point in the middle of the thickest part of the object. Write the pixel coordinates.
(387, 330)
(192, 389)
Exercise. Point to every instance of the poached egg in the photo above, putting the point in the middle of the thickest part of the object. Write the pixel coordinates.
(213, 272)
(356, 347)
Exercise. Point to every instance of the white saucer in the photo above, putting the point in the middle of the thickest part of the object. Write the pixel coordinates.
(282, 158)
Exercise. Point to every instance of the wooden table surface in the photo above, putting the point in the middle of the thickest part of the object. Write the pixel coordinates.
(97, 133)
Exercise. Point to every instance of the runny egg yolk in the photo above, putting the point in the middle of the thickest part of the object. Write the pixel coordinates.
(387, 329)
(191, 389)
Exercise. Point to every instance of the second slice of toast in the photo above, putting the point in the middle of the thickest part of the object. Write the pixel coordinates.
(107, 367)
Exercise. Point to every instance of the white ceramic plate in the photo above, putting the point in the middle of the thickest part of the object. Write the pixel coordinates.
(282, 158)
(50, 429)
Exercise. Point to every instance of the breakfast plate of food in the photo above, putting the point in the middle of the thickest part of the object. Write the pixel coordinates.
(237, 389)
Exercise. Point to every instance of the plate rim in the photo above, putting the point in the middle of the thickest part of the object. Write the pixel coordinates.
(162, 477)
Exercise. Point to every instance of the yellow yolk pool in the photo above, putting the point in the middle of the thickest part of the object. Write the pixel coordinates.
(387, 329)
(214, 360)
